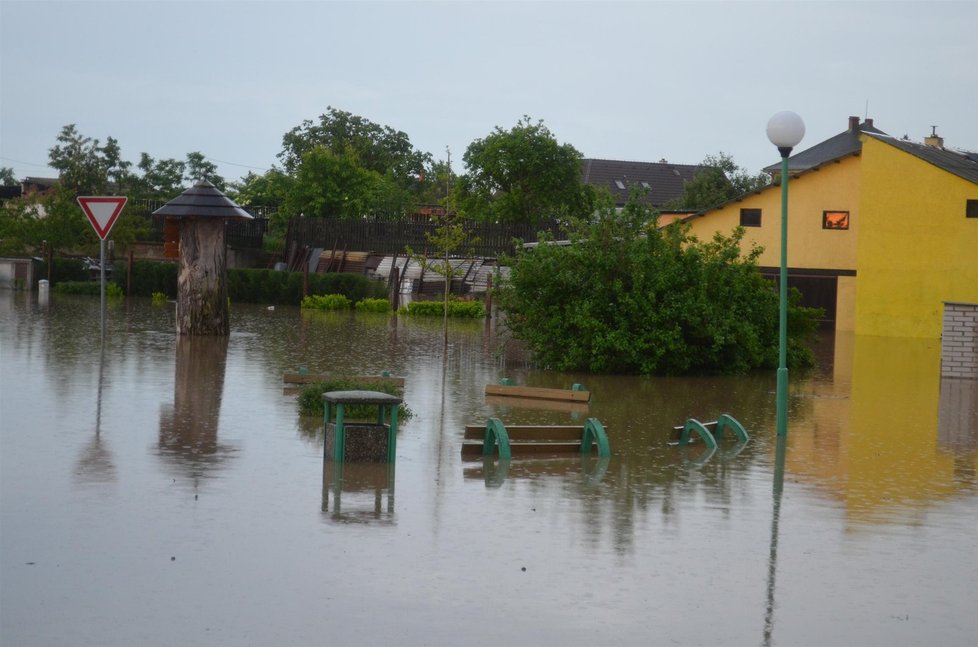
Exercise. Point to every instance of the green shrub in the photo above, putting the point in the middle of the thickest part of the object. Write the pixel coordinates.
(90, 288)
(460, 309)
(373, 305)
(627, 297)
(326, 302)
(250, 285)
(149, 277)
(311, 398)
(159, 298)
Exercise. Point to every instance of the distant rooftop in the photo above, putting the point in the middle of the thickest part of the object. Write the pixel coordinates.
(661, 181)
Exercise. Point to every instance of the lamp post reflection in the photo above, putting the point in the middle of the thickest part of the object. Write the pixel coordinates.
(772, 563)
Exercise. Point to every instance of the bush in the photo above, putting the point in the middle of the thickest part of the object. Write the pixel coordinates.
(373, 305)
(250, 285)
(461, 309)
(326, 302)
(150, 277)
(627, 297)
(89, 288)
(311, 398)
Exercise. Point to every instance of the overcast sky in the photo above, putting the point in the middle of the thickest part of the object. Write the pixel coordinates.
(638, 81)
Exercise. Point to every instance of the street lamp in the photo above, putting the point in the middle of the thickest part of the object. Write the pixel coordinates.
(785, 129)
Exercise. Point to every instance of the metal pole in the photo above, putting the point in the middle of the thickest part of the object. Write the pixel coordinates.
(102, 275)
(782, 391)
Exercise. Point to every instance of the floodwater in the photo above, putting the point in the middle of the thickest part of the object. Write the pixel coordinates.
(164, 491)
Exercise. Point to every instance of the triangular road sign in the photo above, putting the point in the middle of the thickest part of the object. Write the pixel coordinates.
(102, 211)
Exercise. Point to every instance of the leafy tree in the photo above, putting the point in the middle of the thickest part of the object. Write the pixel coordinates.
(160, 178)
(719, 180)
(628, 297)
(266, 190)
(7, 177)
(380, 149)
(333, 185)
(200, 168)
(85, 167)
(401, 175)
(522, 175)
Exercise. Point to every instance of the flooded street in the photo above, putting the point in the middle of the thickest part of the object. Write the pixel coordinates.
(165, 491)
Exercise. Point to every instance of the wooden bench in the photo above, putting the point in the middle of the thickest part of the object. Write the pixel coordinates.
(533, 440)
(539, 393)
(312, 378)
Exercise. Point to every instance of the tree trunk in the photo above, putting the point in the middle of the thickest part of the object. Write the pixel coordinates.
(202, 292)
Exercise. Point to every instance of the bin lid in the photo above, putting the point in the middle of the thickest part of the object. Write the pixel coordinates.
(360, 397)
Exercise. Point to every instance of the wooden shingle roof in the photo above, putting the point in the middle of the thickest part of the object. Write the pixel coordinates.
(202, 200)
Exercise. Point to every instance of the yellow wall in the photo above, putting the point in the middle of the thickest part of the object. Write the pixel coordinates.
(835, 187)
(919, 250)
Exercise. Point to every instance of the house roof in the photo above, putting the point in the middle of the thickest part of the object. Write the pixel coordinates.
(662, 181)
(842, 145)
(962, 164)
(202, 200)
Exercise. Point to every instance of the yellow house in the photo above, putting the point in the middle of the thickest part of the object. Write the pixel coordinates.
(881, 231)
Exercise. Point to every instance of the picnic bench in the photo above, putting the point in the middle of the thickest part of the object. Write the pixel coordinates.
(539, 440)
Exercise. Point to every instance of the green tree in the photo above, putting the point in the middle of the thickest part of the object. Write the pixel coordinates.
(628, 297)
(399, 175)
(333, 185)
(380, 149)
(162, 179)
(198, 168)
(522, 175)
(265, 190)
(7, 177)
(719, 180)
(87, 168)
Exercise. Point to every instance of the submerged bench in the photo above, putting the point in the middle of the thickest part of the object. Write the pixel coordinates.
(312, 378)
(538, 440)
(575, 394)
(710, 431)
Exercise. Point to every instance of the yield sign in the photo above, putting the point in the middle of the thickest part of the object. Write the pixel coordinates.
(102, 211)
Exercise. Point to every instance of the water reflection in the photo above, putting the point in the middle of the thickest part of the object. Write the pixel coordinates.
(958, 428)
(188, 439)
(879, 450)
(586, 469)
(358, 492)
(95, 461)
(772, 561)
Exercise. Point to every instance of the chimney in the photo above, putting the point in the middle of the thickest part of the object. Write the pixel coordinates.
(853, 123)
(869, 122)
(934, 140)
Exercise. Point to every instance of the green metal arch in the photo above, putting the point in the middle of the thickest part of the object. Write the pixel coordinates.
(726, 420)
(496, 435)
(693, 424)
(594, 433)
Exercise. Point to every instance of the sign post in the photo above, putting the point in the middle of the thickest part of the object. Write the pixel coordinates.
(102, 212)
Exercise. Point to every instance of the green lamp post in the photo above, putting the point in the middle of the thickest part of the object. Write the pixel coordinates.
(785, 129)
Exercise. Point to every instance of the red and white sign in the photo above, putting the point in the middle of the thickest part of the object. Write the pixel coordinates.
(102, 211)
